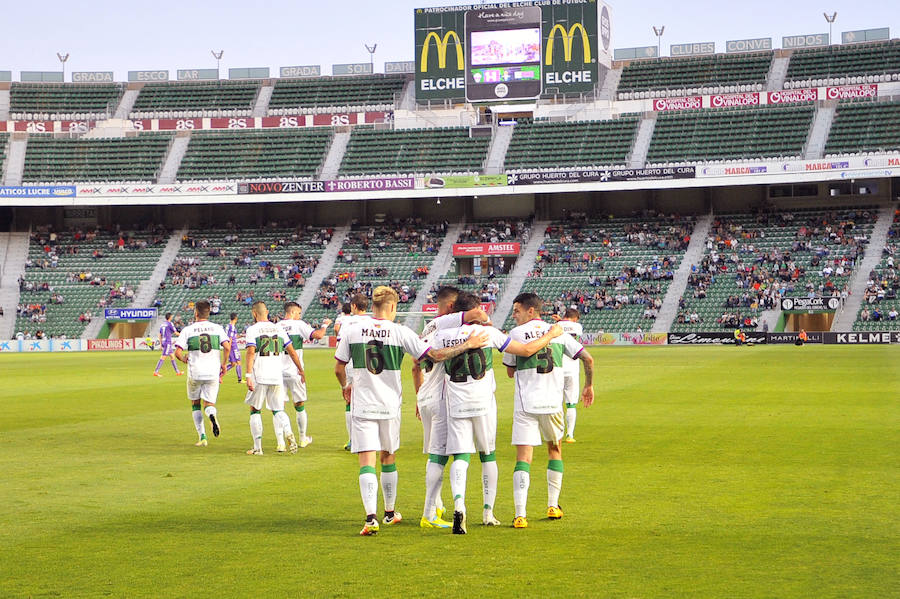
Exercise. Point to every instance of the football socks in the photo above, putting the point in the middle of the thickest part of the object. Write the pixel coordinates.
(458, 471)
(521, 480)
(256, 429)
(490, 476)
(301, 420)
(368, 489)
(554, 481)
(389, 485)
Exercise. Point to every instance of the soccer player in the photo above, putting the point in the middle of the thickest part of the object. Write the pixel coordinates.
(431, 408)
(266, 342)
(165, 341)
(571, 375)
(201, 340)
(234, 357)
(374, 348)
(472, 408)
(298, 331)
(350, 313)
(538, 402)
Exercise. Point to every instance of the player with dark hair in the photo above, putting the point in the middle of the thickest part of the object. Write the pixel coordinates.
(350, 313)
(166, 332)
(569, 323)
(234, 356)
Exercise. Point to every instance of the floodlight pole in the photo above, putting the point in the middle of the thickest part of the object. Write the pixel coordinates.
(218, 56)
(371, 50)
(830, 18)
(658, 32)
(63, 58)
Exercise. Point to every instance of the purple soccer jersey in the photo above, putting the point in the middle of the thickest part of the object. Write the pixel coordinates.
(234, 355)
(166, 331)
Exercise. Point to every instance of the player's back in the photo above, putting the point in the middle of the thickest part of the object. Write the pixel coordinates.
(297, 331)
(269, 341)
(202, 340)
(470, 375)
(570, 365)
(539, 378)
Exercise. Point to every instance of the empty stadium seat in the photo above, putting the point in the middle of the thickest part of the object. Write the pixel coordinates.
(864, 126)
(820, 66)
(368, 91)
(442, 150)
(589, 143)
(196, 98)
(693, 74)
(133, 159)
(64, 101)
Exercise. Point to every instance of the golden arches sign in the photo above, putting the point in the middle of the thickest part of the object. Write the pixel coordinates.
(567, 37)
(441, 44)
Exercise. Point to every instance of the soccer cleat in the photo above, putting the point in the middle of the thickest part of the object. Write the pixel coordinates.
(305, 441)
(347, 446)
(215, 425)
(570, 439)
(292, 443)
(459, 523)
(392, 518)
(436, 523)
(201, 443)
(554, 512)
(281, 448)
(254, 452)
(488, 519)
(179, 373)
(439, 512)
(520, 522)
(370, 528)
(157, 374)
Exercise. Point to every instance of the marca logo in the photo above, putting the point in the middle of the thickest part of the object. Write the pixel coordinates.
(568, 37)
(441, 45)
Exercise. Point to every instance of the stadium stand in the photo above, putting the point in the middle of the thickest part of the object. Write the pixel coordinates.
(731, 133)
(752, 259)
(591, 143)
(234, 267)
(842, 64)
(880, 309)
(71, 277)
(441, 150)
(398, 254)
(615, 270)
(717, 73)
(63, 100)
(254, 154)
(4, 140)
(326, 94)
(864, 126)
(196, 98)
(134, 159)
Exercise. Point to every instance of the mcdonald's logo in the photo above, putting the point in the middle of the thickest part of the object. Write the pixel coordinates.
(567, 37)
(441, 44)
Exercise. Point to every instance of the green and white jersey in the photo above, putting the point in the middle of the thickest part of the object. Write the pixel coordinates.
(202, 341)
(373, 351)
(570, 365)
(469, 377)
(298, 331)
(345, 321)
(432, 387)
(539, 379)
(269, 339)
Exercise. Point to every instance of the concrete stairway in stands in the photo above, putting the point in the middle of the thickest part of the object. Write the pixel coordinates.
(335, 155)
(441, 265)
(123, 110)
(14, 165)
(261, 105)
(493, 164)
(524, 265)
(326, 263)
(692, 256)
(13, 252)
(818, 132)
(777, 73)
(169, 171)
(638, 155)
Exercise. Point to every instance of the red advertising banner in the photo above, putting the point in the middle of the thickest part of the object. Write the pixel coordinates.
(231, 123)
(486, 249)
(180, 124)
(109, 344)
(142, 124)
(375, 117)
(432, 308)
(846, 92)
(688, 103)
(794, 95)
(726, 100)
(76, 126)
(284, 122)
(34, 126)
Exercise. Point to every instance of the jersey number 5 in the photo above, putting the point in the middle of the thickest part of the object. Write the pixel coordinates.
(545, 361)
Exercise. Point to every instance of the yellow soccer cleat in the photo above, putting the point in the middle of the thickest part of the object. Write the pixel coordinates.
(436, 523)
(305, 441)
(392, 519)
(370, 528)
(201, 443)
(520, 522)
(254, 452)
(554, 512)
(570, 439)
(291, 442)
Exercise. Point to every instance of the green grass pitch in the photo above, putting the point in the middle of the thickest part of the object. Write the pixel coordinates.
(701, 472)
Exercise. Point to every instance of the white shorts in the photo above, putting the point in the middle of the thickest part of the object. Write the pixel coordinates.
(570, 389)
(434, 427)
(534, 429)
(295, 388)
(468, 435)
(272, 396)
(208, 391)
(374, 435)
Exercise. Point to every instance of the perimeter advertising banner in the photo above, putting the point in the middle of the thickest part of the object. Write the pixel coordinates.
(574, 39)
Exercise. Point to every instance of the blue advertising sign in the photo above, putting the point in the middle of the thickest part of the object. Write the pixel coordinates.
(130, 313)
(38, 191)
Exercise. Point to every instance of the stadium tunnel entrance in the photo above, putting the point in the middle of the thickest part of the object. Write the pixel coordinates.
(815, 322)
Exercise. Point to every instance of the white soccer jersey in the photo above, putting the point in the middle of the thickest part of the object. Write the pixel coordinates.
(269, 339)
(298, 331)
(373, 351)
(202, 341)
(539, 379)
(433, 378)
(470, 375)
(570, 365)
(345, 321)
